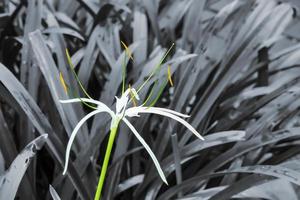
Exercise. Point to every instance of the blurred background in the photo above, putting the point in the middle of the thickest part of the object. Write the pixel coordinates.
(234, 66)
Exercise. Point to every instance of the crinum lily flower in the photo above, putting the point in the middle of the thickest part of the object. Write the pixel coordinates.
(124, 109)
(122, 113)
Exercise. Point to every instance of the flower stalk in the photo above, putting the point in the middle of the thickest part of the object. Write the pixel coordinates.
(112, 136)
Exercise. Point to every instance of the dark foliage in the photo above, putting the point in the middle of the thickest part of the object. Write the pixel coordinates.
(235, 68)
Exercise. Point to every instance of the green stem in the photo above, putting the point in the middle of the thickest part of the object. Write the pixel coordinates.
(112, 135)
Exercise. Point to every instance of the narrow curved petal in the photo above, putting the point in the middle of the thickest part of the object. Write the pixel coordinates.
(74, 133)
(170, 111)
(99, 103)
(167, 114)
(156, 163)
(135, 110)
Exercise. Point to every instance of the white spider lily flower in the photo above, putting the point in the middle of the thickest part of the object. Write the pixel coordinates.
(120, 114)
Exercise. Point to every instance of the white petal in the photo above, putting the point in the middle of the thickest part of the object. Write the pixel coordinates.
(73, 135)
(126, 93)
(156, 163)
(121, 103)
(167, 114)
(98, 103)
(169, 111)
(81, 99)
(133, 111)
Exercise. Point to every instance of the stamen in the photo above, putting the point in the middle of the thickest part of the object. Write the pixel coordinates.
(150, 94)
(156, 68)
(161, 89)
(132, 96)
(84, 103)
(77, 78)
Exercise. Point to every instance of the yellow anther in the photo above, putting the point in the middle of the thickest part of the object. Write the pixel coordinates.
(132, 97)
(127, 50)
(63, 83)
(170, 76)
